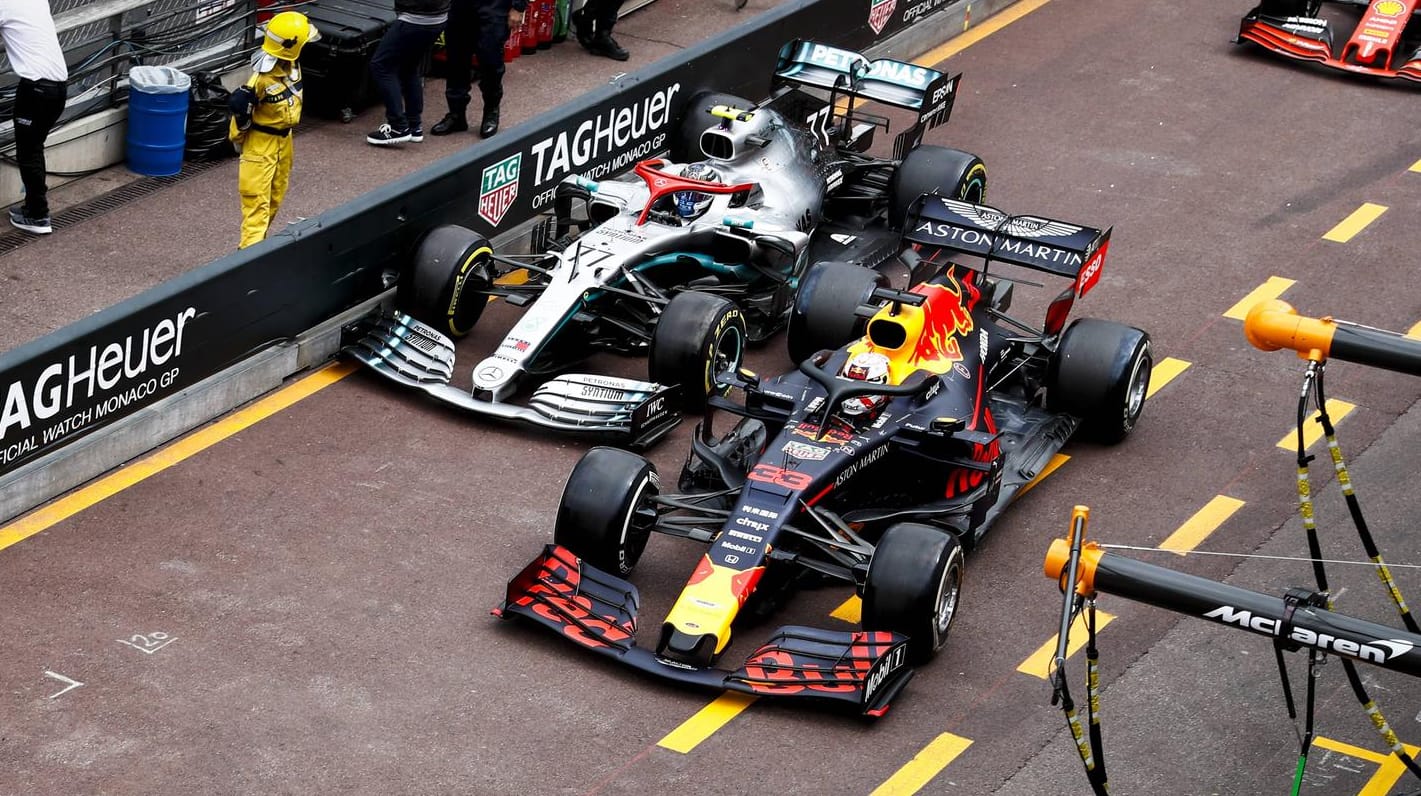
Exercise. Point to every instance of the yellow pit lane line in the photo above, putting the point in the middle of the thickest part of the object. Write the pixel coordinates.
(1414, 332)
(1312, 430)
(1164, 371)
(1389, 771)
(1038, 664)
(171, 454)
(1204, 522)
(706, 721)
(925, 765)
(1355, 223)
(1416, 167)
(1273, 288)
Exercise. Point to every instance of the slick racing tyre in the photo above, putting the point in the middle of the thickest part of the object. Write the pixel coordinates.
(823, 313)
(698, 337)
(452, 265)
(686, 143)
(934, 169)
(1100, 373)
(607, 511)
(913, 587)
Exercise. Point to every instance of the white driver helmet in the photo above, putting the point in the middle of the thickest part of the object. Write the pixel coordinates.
(869, 366)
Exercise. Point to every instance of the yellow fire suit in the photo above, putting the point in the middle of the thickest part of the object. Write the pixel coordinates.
(272, 104)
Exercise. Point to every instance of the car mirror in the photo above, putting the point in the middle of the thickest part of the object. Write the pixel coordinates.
(948, 425)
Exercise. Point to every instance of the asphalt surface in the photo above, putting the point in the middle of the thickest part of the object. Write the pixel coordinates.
(303, 607)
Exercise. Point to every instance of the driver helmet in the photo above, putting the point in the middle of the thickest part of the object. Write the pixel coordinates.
(692, 204)
(869, 366)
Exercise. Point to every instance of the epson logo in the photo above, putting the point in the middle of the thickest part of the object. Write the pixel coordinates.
(944, 92)
(1375, 652)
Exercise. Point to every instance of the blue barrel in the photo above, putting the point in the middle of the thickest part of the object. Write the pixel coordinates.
(157, 120)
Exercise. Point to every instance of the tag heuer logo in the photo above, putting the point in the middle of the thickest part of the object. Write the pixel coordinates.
(878, 13)
(499, 188)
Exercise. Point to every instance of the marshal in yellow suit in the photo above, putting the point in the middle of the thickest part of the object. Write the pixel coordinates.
(265, 110)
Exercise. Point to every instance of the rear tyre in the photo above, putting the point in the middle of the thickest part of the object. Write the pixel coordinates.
(1100, 373)
(698, 337)
(451, 265)
(913, 587)
(607, 509)
(934, 169)
(823, 313)
(686, 146)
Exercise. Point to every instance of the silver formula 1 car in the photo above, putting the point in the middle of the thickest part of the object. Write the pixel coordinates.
(678, 259)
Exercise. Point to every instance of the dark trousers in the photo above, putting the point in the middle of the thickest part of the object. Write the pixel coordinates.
(398, 70)
(38, 104)
(476, 28)
(602, 14)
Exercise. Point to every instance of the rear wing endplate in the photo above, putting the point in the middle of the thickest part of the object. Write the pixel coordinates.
(926, 91)
(1043, 244)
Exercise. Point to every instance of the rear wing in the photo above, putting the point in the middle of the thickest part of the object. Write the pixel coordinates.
(1044, 244)
(845, 73)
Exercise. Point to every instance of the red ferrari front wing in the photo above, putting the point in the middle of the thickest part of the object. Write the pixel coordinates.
(1371, 50)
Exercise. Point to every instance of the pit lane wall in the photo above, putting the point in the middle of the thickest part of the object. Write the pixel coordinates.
(170, 359)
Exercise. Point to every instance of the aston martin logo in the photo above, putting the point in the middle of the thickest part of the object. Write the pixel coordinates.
(1016, 226)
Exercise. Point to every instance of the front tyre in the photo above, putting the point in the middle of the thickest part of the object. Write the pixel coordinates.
(823, 313)
(1100, 373)
(452, 267)
(913, 587)
(608, 509)
(698, 337)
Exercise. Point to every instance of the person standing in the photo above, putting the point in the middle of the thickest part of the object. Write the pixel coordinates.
(594, 23)
(27, 28)
(477, 28)
(265, 110)
(396, 68)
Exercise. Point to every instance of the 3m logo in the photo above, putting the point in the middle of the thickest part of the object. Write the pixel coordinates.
(879, 12)
(498, 188)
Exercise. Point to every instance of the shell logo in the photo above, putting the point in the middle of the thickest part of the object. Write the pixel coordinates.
(1390, 8)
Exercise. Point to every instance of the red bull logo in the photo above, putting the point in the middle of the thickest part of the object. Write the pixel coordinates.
(946, 317)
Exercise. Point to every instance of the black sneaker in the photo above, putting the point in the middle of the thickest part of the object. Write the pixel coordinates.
(385, 135)
(417, 133)
(603, 44)
(37, 225)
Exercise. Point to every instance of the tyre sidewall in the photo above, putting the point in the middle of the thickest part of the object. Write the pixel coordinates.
(595, 511)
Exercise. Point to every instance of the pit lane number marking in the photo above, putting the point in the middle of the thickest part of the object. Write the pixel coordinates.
(150, 643)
